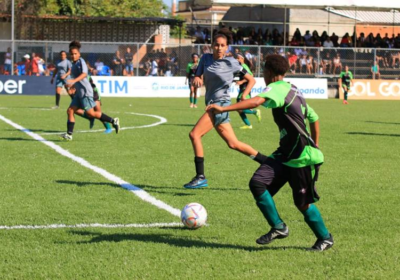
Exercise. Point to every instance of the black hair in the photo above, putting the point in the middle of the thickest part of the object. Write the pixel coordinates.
(194, 54)
(277, 64)
(246, 61)
(75, 45)
(61, 52)
(224, 33)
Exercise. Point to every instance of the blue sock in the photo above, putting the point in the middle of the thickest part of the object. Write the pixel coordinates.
(313, 218)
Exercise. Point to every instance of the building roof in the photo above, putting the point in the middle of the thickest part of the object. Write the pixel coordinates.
(370, 16)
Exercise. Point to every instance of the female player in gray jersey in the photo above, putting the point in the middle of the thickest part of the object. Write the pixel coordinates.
(218, 72)
(62, 71)
(83, 99)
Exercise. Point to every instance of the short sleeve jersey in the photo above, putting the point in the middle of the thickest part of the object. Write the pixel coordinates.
(241, 74)
(346, 77)
(291, 112)
(218, 76)
(63, 67)
(191, 69)
(83, 87)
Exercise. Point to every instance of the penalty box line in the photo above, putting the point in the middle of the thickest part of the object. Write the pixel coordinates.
(142, 194)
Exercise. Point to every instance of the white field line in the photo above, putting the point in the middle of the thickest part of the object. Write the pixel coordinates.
(161, 121)
(57, 226)
(145, 196)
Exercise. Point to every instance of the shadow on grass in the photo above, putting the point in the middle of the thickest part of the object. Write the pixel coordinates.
(382, 122)
(23, 139)
(151, 189)
(179, 124)
(373, 134)
(174, 241)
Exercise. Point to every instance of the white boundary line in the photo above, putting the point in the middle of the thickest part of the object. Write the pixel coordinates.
(145, 196)
(57, 226)
(161, 121)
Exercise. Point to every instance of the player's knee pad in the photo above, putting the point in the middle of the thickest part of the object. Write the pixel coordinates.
(257, 188)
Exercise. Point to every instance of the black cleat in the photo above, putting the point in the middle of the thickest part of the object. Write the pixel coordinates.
(322, 244)
(197, 183)
(116, 125)
(273, 234)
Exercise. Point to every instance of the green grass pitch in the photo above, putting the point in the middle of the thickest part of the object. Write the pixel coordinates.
(359, 188)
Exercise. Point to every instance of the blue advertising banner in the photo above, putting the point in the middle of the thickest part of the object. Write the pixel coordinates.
(26, 85)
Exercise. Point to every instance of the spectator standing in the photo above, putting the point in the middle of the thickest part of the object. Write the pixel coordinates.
(34, 70)
(117, 64)
(7, 62)
(154, 67)
(337, 64)
(128, 62)
(27, 64)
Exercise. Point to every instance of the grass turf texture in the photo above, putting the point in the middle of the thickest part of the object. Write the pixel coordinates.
(359, 186)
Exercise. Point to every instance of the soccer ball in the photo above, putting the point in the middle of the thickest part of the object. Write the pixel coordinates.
(194, 215)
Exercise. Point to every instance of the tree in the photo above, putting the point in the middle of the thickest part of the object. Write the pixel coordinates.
(103, 8)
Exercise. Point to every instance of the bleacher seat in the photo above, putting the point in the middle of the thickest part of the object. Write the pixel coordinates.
(105, 71)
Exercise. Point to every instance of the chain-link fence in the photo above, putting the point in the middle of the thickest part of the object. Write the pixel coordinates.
(139, 59)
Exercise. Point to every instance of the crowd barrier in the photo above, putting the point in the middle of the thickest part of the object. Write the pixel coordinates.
(147, 86)
(373, 90)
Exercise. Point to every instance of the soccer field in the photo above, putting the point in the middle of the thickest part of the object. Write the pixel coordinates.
(103, 231)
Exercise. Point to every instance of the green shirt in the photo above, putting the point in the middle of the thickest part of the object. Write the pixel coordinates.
(291, 112)
(346, 77)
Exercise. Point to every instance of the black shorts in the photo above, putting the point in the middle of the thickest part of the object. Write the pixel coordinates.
(274, 175)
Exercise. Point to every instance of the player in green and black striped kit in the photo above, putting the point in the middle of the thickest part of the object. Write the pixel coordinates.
(242, 83)
(346, 80)
(296, 161)
(190, 75)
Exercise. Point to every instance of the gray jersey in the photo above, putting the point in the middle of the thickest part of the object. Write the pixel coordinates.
(218, 76)
(63, 67)
(83, 87)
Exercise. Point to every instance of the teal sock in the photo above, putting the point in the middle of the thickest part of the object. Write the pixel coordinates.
(249, 112)
(195, 101)
(313, 218)
(191, 100)
(107, 125)
(245, 119)
(266, 204)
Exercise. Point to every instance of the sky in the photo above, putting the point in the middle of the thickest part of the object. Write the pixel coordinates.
(168, 2)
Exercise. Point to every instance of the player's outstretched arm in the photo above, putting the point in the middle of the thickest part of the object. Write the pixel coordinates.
(246, 104)
(250, 84)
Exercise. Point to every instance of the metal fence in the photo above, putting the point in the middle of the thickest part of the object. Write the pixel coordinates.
(172, 59)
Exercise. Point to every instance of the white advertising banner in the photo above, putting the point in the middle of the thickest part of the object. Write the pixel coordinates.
(176, 87)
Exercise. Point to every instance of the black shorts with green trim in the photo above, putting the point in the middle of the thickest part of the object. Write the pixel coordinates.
(346, 86)
(274, 175)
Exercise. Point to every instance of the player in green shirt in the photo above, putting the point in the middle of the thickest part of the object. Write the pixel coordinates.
(242, 83)
(345, 81)
(296, 161)
(190, 75)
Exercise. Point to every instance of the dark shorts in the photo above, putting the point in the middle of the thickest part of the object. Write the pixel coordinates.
(346, 86)
(274, 175)
(96, 96)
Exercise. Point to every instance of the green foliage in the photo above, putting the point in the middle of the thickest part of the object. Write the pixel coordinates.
(174, 32)
(358, 184)
(104, 8)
